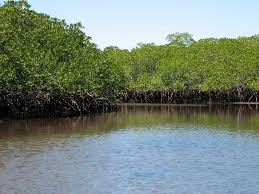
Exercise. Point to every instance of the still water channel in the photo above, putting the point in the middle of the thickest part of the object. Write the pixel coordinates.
(140, 149)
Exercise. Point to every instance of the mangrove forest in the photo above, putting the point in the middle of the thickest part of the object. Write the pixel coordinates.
(50, 66)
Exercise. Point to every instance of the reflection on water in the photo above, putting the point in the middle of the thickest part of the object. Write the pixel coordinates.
(140, 149)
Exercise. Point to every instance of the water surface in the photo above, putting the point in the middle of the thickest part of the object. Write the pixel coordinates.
(140, 149)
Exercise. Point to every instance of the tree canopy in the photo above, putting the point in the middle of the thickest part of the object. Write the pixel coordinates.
(41, 53)
(46, 54)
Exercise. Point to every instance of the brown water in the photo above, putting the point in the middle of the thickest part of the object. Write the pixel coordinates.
(140, 149)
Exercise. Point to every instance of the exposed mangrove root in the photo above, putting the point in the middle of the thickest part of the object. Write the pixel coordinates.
(239, 94)
(41, 105)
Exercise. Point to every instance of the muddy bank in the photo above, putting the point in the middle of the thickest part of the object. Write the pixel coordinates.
(189, 97)
(25, 105)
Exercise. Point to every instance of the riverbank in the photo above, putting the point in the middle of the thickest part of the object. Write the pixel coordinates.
(23, 105)
(235, 95)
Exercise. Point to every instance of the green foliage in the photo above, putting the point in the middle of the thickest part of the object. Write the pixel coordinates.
(180, 39)
(40, 53)
(109, 78)
(184, 64)
(45, 54)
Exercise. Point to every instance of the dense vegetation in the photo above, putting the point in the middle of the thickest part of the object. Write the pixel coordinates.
(44, 54)
(186, 64)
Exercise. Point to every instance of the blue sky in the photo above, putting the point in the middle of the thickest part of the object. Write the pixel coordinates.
(125, 23)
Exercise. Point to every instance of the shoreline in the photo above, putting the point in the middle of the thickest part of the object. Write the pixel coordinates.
(235, 95)
(38, 105)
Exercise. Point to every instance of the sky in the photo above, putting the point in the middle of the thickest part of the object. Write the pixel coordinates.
(124, 23)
